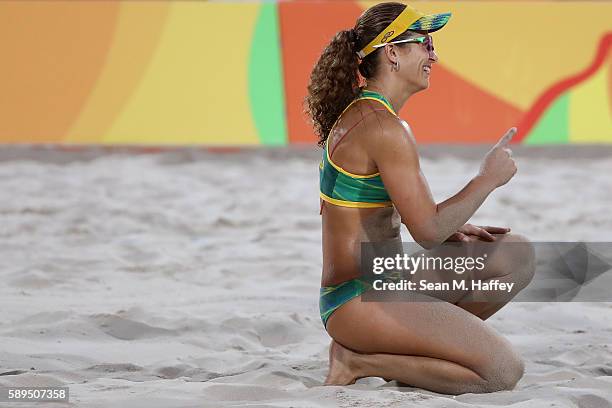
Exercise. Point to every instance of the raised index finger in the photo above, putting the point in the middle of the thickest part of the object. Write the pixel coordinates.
(505, 139)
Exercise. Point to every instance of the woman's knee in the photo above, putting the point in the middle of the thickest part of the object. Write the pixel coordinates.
(518, 258)
(526, 259)
(503, 371)
(507, 378)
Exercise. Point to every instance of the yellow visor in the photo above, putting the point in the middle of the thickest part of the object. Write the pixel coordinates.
(409, 19)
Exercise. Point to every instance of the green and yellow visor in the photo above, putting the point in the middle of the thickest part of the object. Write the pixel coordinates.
(409, 19)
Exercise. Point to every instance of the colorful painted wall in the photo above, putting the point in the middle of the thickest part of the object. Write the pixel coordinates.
(172, 72)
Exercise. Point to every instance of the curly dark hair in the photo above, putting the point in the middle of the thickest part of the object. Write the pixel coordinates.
(334, 81)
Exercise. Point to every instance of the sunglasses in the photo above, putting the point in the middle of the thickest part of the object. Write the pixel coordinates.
(426, 41)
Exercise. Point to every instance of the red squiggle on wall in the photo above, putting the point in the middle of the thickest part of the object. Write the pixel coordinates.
(552, 93)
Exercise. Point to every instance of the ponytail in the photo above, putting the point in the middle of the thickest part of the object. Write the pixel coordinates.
(334, 83)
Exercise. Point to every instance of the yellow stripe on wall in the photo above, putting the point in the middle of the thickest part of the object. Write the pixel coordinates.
(590, 118)
(137, 32)
(515, 50)
(195, 87)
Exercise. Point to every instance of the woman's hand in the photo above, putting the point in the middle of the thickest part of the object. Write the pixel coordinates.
(395, 153)
(498, 167)
(471, 233)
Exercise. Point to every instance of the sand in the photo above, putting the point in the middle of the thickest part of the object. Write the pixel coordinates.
(190, 279)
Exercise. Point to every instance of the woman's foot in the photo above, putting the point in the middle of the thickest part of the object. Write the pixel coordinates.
(342, 365)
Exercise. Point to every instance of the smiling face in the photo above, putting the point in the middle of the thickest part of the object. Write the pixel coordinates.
(418, 61)
(415, 61)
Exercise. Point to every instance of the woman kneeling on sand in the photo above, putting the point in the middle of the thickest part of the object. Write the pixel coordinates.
(370, 183)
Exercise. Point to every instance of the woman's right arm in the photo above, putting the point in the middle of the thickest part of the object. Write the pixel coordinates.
(395, 153)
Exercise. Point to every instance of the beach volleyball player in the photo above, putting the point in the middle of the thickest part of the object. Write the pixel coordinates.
(371, 182)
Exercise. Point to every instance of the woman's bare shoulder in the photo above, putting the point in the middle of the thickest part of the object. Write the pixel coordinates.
(370, 115)
(384, 128)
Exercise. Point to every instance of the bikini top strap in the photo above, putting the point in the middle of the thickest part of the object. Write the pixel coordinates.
(369, 95)
(351, 128)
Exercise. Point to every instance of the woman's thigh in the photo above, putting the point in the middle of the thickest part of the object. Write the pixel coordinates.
(423, 327)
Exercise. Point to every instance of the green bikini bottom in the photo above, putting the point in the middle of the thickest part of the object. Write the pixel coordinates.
(332, 297)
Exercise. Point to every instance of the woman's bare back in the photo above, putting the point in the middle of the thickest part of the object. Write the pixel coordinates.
(345, 229)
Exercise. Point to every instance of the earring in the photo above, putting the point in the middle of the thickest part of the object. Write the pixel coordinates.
(396, 66)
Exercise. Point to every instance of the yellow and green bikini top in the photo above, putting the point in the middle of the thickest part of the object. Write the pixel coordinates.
(339, 187)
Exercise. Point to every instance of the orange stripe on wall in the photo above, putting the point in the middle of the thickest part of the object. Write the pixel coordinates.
(451, 107)
(138, 33)
(52, 53)
(306, 28)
